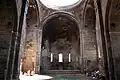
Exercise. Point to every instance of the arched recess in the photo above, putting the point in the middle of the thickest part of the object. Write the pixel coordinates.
(90, 44)
(60, 36)
(29, 48)
(8, 36)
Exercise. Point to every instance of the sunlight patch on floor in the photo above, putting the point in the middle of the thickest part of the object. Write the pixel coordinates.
(35, 77)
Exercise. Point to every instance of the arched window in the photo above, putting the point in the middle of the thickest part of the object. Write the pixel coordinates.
(69, 57)
(51, 60)
(60, 57)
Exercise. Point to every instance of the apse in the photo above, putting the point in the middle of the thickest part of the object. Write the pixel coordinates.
(60, 44)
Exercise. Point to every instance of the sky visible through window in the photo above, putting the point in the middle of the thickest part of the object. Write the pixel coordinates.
(58, 3)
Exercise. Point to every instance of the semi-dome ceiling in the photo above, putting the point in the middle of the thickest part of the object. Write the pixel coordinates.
(60, 27)
(59, 3)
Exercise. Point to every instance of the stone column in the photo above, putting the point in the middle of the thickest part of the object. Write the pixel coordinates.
(38, 56)
(82, 45)
(104, 37)
(11, 57)
(20, 41)
(99, 44)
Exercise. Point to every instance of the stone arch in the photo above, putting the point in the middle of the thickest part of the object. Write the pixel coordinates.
(57, 13)
(54, 16)
(88, 4)
(36, 6)
(90, 39)
(30, 39)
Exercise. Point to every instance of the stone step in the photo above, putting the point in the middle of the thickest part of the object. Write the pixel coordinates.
(63, 72)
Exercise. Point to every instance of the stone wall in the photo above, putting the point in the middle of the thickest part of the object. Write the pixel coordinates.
(90, 43)
(31, 40)
(6, 25)
(32, 34)
(89, 50)
(115, 41)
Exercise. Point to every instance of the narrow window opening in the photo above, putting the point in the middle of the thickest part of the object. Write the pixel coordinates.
(69, 57)
(51, 57)
(60, 57)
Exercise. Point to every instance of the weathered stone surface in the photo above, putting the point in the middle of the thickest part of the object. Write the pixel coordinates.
(6, 24)
(32, 36)
(31, 41)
